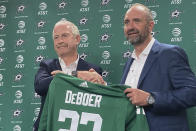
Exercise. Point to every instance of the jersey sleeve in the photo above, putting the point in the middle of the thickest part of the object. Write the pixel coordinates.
(45, 112)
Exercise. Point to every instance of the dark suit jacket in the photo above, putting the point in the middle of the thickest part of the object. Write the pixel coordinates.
(43, 78)
(167, 76)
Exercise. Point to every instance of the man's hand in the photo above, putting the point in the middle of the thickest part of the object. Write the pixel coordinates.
(53, 73)
(137, 97)
(91, 76)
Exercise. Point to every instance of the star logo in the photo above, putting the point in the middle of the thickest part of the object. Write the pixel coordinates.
(39, 58)
(105, 73)
(1, 60)
(83, 21)
(21, 8)
(127, 54)
(18, 77)
(83, 56)
(41, 24)
(36, 95)
(17, 113)
(105, 2)
(175, 14)
(105, 37)
(1, 26)
(154, 33)
(62, 5)
(19, 42)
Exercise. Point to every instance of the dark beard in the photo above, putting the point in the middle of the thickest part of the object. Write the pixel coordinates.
(140, 38)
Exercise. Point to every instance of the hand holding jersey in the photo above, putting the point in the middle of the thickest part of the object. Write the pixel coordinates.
(137, 97)
(83, 106)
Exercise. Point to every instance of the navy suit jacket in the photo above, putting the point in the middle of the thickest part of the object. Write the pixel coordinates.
(44, 77)
(167, 76)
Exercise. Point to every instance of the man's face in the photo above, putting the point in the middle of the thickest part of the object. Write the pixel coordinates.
(136, 27)
(65, 43)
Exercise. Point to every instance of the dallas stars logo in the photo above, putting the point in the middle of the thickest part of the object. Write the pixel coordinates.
(154, 33)
(127, 54)
(41, 24)
(39, 58)
(83, 21)
(18, 77)
(17, 113)
(105, 2)
(1, 26)
(19, 42)
(105, 37)
(83, 56)
(105, 73)
(1, 60)
(21, 8)
(175, 14)
(62, 5)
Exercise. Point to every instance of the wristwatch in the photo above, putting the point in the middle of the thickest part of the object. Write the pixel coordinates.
(74, 73)
(150, 100)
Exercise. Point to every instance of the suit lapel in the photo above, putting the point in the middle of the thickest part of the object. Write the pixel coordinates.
(149, 61)
(126, 70)
(58, 66)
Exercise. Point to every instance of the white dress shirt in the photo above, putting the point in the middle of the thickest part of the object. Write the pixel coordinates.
(137, 66)
(68, 69)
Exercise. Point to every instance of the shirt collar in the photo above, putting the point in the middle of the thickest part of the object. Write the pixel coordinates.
(146, 51)
(74, 64)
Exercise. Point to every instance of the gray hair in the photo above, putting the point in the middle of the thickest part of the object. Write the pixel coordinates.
(74, 28)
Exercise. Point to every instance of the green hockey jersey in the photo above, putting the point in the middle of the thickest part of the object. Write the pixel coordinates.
(73, 104)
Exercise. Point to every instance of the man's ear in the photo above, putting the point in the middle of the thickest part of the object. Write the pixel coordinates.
(78, 39)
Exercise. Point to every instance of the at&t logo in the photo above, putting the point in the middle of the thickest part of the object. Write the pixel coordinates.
(21, 26)
(16, 128)
(128, 4)
(1, 80)
(2, 11)
(176, 2)
(106, 19)
(41, 42)
(2, 49)
(19, 60)
(84, 39)
(176, 33)
(36, 112)
(42, 7)
(105, 56)
(154, 15)
(18, 96)
(84, 4)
